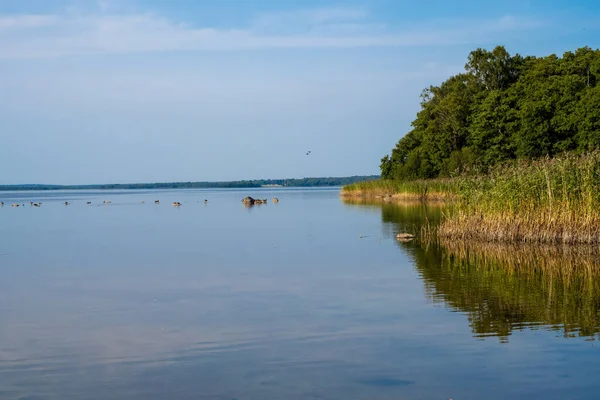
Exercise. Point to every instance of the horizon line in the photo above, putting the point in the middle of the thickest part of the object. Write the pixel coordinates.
(187, 182)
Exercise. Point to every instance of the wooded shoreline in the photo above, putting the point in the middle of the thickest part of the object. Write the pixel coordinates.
(257, 183)
(513, 142)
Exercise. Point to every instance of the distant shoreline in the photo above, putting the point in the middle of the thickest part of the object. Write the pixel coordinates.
(257, 183)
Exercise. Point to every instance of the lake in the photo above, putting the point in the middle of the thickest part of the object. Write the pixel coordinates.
(310, 298)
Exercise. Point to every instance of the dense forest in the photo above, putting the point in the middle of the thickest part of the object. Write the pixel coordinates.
(502, 108)
(300, 182)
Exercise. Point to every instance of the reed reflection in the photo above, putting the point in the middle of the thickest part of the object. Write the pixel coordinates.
(502, 288)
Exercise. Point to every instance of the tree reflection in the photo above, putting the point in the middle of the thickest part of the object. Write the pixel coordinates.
(503, 288)
(506, 288)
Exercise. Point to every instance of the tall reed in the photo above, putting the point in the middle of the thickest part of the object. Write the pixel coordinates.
(417, 190)
(551, 200)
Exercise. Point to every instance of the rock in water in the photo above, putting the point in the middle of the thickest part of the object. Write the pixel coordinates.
(248, 200)
(405, 237)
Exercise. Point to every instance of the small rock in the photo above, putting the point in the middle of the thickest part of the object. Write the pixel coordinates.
(405, 237)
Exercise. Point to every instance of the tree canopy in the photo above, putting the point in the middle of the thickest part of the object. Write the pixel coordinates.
(502, 108)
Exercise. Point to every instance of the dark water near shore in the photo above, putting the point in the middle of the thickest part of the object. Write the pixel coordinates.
(310, 298)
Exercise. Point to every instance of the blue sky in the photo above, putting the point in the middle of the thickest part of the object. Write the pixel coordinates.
(182, 90)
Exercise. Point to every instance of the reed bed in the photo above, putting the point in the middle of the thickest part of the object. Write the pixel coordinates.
(377, 204)
(551, 200)
(433, 190)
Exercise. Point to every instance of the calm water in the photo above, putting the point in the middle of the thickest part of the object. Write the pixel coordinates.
(310, 298)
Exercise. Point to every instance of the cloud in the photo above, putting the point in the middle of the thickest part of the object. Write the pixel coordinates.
(304, 20)
(25, 21)
(43, 36)
(104, 5)
(510, 22)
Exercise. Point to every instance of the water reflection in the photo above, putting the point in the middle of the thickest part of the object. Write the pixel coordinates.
(300, 300)
(503, 288)
(405, 217)
(506, 288)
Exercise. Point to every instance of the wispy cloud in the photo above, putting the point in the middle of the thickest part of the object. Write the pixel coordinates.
(510, 22)
(26, 21)
(41, 36)
(104, 5)
(307, 20)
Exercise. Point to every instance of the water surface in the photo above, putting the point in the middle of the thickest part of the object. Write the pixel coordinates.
(307, 298)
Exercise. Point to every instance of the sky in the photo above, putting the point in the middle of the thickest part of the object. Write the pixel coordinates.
(119, 91)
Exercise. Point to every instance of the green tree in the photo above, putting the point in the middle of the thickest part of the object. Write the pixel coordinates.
(502, 107)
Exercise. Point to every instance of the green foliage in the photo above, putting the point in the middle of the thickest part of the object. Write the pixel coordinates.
(502, 108)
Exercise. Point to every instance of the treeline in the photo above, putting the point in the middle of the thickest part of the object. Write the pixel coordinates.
(301, 182)
(502, 108)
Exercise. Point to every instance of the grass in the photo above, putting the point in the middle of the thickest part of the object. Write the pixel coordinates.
(550, 200)
(417, 190)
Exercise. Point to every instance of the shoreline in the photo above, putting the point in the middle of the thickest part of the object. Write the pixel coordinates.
(544, 201)
(239, 184)
(434, 197)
